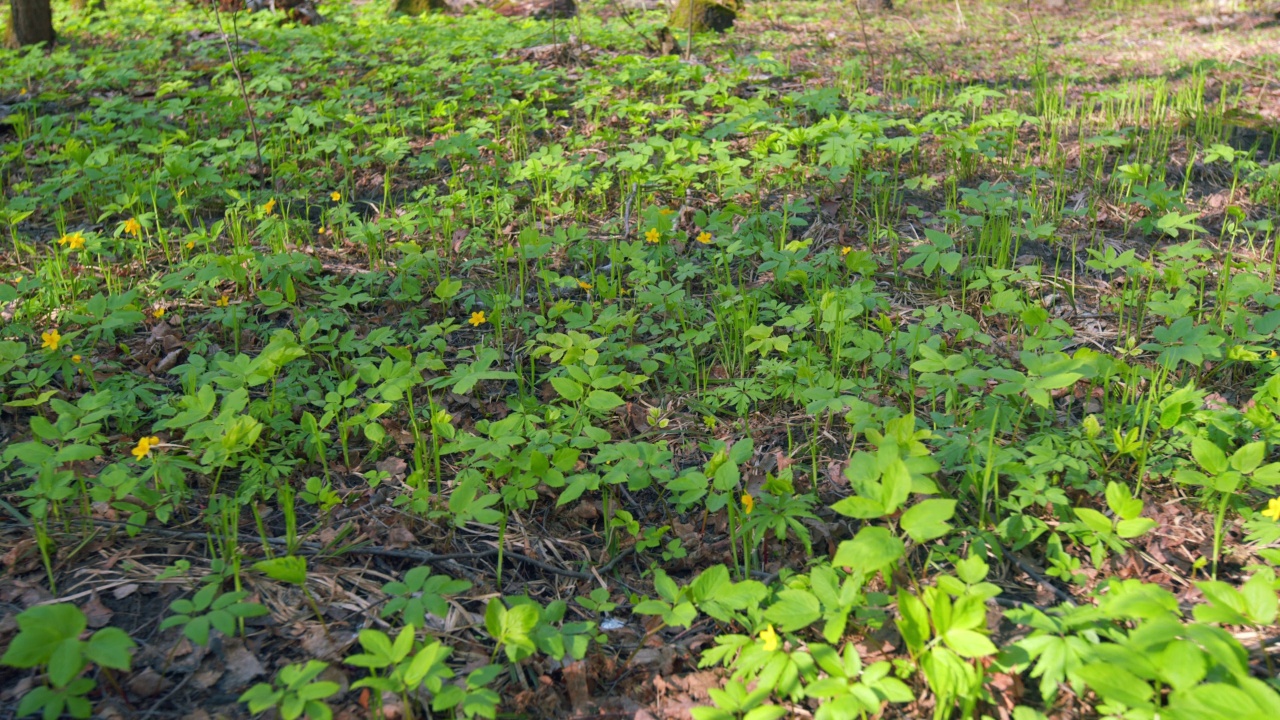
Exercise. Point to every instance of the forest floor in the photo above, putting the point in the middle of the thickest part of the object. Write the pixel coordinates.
(914, 362)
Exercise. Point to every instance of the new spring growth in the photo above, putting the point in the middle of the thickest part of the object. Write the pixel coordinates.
(1092, 427)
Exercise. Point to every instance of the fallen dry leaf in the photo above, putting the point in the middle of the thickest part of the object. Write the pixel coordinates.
(97, 614)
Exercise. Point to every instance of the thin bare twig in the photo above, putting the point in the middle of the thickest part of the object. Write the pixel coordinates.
(244, 91)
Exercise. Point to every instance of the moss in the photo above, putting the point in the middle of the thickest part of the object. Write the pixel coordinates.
(707, 15)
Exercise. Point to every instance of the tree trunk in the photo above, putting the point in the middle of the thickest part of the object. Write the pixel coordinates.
(417, 7)
(706, 15)
(30, 23)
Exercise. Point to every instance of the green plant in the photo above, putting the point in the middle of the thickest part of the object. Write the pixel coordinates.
(210, 608)
(49, 638)
(296, 693)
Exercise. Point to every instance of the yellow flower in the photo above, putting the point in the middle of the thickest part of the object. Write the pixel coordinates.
(222, 301)
(73, 241)
(269, 207)
(769, 637)
(748, 503)
(653, 235)
(76, 359)
(665, 211)
(335, 196)
(584, 285)
(145, 444)
(1272, 355)
(191, 244)
(704, 237)
(157, 313)
(1273, 509)
(477, 318)
(50, 339)
(132, 226)
(845, 251)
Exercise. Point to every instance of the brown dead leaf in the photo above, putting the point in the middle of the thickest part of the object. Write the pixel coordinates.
(242, 666)
(97, 614)
(458, 236)
(148, 683)
(400, 537)
(394, 466)
(835, 473)
(327, 646)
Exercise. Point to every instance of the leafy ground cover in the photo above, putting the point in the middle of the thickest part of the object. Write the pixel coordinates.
(904, 364)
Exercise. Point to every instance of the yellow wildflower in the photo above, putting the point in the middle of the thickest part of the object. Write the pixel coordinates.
(269, 207)
(1273, 509)
(1272, 354)
(335, 196)
(132, 226)
(584, 285)
(845, 251)
(50, 340)
(76, 359)
(748, 503)
(769, 637)
(477, 318)
(652, 235)
(191, 244)
(665, 211)
(73, 241)
(704, 237)
(222, 301)
(144, 446)
(157, 313)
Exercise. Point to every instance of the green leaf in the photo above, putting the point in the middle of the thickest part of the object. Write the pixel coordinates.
(858, 507)
(1248, 458)
(289, 569)
(895, 485)
(1116, 684)
(43, 628)
(1260, 598)
(110, 647)
(870, 550)
(1208, 455)
(969, 643)
(927, 520)
(1135, 527)
(794, 610)
(603, 400)
(569, 389)
(1095, 520)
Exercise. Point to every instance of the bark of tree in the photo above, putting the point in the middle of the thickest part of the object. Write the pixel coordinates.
(706, 15)
(417, 7)
(30, 23)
